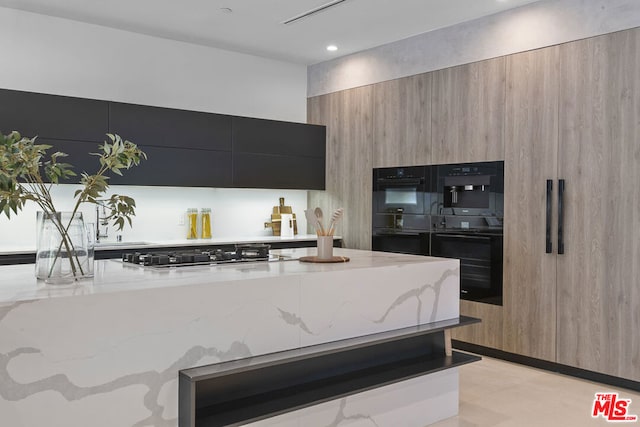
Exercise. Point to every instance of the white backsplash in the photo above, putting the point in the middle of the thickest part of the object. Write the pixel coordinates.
(234, 213)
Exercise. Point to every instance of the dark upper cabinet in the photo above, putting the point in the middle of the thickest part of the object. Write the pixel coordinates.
(179, 167)
(184, 148)
(276, 137)
(164, 166)
(166, 127)
(275, 171)
(274, 154)
(78, 155)
(53, 116)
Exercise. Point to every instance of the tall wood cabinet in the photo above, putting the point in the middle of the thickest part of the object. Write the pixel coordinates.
(467, 119)
(402, 122)
(467, 125)
(598, 277)
(348, 117)
(531, 151)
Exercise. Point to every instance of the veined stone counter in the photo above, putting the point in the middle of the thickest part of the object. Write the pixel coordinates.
(107, 352)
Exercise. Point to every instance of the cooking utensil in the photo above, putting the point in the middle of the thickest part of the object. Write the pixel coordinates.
(335, 217)
(318, 213)
(312, 219)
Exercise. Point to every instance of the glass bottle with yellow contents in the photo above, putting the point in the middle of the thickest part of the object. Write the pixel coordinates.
(205, 218)
(192, 223)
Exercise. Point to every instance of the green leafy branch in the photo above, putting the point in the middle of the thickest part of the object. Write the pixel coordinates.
(28, 174)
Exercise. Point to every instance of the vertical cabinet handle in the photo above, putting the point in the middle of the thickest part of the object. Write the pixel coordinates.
(548, 227)
(560, 216)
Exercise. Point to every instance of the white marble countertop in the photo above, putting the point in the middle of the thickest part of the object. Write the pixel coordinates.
(18, 282)
(119, 340)
(103, 246)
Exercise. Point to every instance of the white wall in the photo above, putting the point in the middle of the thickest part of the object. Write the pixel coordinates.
(63, 57)
(531, 26)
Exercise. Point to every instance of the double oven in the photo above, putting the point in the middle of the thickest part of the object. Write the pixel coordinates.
(453, 211)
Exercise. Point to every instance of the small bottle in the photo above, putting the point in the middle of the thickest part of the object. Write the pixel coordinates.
(205, 218)
(192, 217)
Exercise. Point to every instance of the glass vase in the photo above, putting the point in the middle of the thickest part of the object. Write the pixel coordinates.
(64, 251)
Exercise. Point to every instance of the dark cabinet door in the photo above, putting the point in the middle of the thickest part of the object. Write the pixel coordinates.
(53, 116)
(274, 171)
(179, 167)
(78, 155)
(276, 137)
(165, 166)
(274, 154)
(165, 127)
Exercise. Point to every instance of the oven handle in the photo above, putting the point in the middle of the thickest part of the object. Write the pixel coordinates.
(401, 181)
(548, 227)
(390, 233)
(463, 236)
(560, 216)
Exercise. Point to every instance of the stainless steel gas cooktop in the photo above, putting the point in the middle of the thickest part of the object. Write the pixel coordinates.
(187, 258)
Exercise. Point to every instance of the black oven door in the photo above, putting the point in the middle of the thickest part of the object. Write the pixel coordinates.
(402, 243)
(400, 195)
(480, 258)
(400, 190)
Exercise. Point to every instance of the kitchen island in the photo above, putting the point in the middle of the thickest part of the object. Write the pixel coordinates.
(107, 351)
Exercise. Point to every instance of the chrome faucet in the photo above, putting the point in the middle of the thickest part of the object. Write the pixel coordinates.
(102, 224)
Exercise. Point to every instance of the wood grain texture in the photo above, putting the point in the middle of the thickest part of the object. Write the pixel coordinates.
(531, 146)
(479, 114)
(467, 121)
(487, 333)
(348, 117)
(402, 122)
(599, 275)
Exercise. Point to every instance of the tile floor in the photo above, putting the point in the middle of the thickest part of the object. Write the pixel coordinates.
(498, 393)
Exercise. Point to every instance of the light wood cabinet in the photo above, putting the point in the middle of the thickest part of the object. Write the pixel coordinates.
(567, 112)
(349, 182)
(599, 274)
(572, 113)
(467, 119)
(487, 333)
(531, 144)
(402, 122)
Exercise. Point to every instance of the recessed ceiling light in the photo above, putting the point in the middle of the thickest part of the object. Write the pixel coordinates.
(332, 48)
(226, 10)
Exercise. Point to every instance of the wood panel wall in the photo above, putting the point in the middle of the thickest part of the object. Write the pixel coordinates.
(402, 122)
(569, 111)
(467, 122)
(349, 184)
(531, 147)
(487, 333)
(599, 275)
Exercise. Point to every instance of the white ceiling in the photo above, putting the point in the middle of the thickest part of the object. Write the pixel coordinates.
(255, 26)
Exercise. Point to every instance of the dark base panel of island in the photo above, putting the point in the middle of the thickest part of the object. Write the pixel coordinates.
(248, 390)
